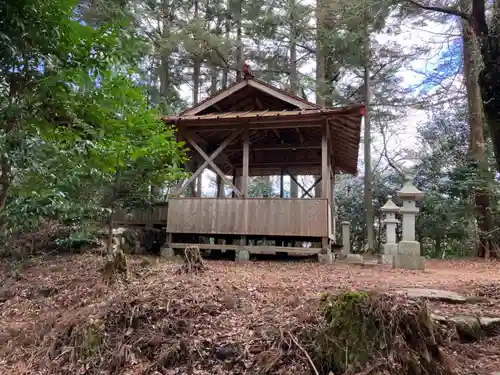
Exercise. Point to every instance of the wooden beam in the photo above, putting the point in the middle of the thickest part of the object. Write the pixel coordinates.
(280, 147)
(208, 161)
(281, 95)
(214, 166)
(214, 100)
(252, 249)
(316, 182)
(293, 179)
(324, 162)
(246, 157)
(201, 141)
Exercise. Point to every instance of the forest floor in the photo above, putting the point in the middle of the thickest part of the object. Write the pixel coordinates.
(231, 310)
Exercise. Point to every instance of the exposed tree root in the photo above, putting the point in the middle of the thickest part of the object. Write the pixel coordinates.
(193, 261)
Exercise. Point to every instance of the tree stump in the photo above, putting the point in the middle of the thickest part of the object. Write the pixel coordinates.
(193, 261)
(116, 266)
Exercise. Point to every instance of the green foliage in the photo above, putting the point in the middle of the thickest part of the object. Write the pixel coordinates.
(78, 136)
(261, 187)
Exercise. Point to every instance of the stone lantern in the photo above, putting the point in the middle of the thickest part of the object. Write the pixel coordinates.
(390, 247)
(408, 252)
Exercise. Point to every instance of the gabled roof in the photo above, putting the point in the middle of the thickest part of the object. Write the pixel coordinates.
(265, 88)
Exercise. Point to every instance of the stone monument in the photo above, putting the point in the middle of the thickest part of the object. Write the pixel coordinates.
(408, 251)
(390, 247)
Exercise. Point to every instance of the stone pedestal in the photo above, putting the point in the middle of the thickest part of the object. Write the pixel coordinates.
(346, 237)
(242, 255)
(408, 256)
(390, 247)
(325, 258)
(354, 259)
(167, 253)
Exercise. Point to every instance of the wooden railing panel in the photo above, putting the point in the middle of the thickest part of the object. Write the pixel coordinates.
(252, 216)
(156, 214)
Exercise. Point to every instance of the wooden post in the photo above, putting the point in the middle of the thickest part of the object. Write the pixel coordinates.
(233, 194)
(325, 176)
(246, 155)
(220, 187)
(294, 187)
(332, 200)
(281, 184)
(198, 185)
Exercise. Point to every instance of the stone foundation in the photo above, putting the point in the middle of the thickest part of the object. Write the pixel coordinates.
(410, 262)
(325, 258)
(167, 253)
(242, 256)
(354, 259)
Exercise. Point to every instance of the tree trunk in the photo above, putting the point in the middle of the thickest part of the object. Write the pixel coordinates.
(227, 32)
(5, 180)
(165, 55)
(239, 58)
(472, 67)
(368, 195)
(438, 247)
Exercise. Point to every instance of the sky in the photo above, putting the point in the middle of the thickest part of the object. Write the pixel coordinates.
(423, 76)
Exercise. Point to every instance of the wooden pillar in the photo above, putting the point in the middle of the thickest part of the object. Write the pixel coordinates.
(325, 175)
(199, 185)
(294, 188)
(246, 155)
(234, 182)
(325, 178)
(332, 200)
(282, 188)
(220, 187)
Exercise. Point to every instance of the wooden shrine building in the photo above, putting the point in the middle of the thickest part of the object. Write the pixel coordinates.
(255, 129)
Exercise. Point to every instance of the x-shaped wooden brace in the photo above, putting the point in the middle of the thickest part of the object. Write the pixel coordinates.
(209, 160)
(306, 191)
(312, 187)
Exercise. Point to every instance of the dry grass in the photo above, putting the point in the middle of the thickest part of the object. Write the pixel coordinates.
(59, 318)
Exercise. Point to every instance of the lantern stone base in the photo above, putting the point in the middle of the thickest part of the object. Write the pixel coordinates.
(389, 251)
(325, 258)
(167, 253)
(354, 259)
(242, 256)
(408, 256)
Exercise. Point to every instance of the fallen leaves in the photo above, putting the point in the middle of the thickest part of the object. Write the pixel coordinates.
(229, 319)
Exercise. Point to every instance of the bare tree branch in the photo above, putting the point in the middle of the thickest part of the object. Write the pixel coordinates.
(449, 11)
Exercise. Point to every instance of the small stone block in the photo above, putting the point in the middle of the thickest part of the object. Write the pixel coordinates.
(409, 248)
(167, 253)
(410, 262)
(385, 259)
(325, 258)
(390, 249)
(242, 256)
(354, 259)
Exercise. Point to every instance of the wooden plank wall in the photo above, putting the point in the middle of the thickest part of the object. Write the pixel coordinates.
(152, 215)
(251, 216)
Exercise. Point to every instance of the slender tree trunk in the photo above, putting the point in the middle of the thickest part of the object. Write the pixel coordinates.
(165, 55)
(320, 65)
(239, 58)
(472, 66)
(368, 195)
(5, 180)
(227, 31)
(294, 78)
(294, 81)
